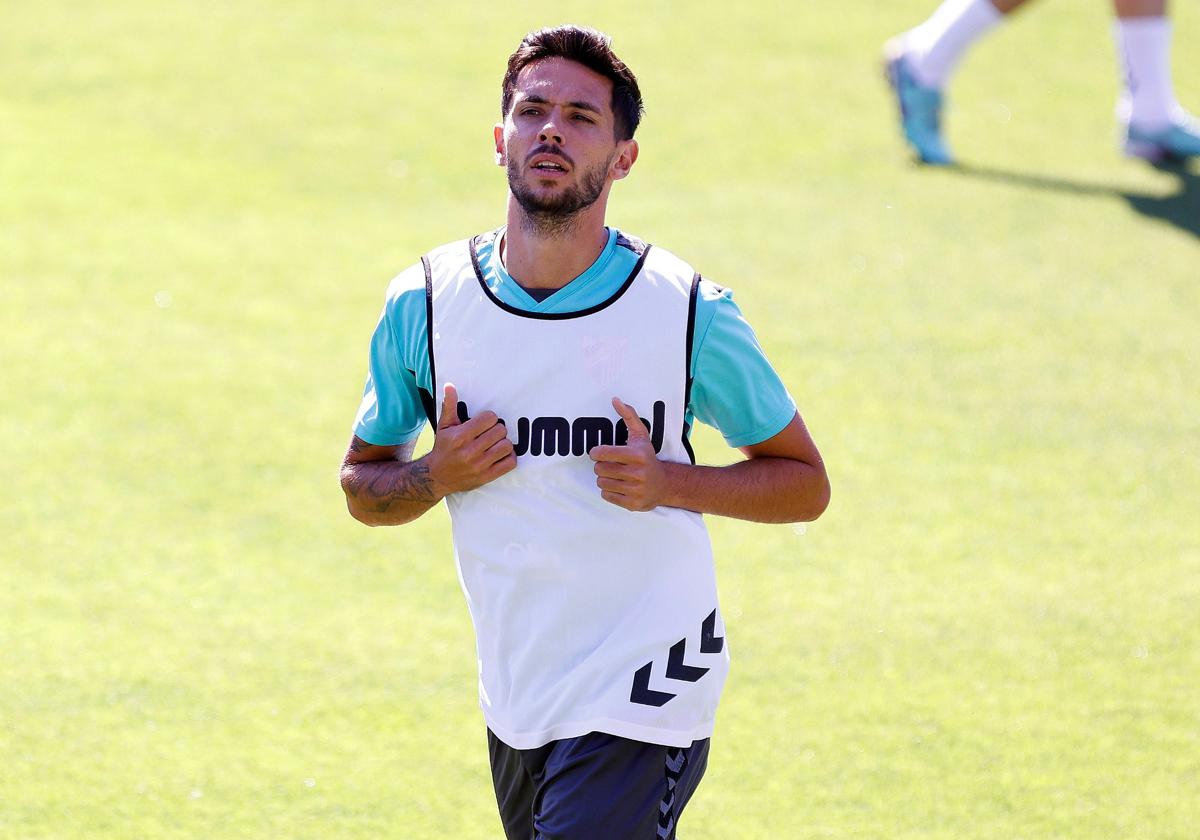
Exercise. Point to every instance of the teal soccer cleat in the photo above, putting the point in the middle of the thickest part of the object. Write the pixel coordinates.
(920, 108)
(1175, 143)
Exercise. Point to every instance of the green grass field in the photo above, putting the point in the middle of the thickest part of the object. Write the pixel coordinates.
(994, 632)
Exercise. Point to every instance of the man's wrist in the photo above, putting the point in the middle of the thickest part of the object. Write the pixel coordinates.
(676, 481)
(430, 464)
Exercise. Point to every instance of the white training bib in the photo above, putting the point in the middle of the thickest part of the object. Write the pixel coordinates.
(588, 617)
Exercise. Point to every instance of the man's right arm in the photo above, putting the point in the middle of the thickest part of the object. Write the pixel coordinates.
(384, 486)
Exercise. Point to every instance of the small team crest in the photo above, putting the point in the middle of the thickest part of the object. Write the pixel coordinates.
(603, 358)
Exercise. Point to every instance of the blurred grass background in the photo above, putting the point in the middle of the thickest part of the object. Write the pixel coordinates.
(991, 634)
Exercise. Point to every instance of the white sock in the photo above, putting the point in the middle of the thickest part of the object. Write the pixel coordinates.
(935, 47)
(1144, 50)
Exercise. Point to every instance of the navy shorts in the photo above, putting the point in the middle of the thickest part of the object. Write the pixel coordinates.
(594, 787)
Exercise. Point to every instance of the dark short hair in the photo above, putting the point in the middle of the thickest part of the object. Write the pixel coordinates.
(593, 50)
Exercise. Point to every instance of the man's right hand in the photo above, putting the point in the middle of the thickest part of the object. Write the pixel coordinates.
(469, 454)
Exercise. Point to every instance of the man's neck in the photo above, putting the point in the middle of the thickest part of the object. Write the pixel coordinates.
(538, 260)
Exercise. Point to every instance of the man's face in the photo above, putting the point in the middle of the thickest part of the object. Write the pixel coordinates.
(557, 142)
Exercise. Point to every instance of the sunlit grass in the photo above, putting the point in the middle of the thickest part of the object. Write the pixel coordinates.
(991, 634)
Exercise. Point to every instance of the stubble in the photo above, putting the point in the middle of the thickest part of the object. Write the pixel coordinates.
(555, 216)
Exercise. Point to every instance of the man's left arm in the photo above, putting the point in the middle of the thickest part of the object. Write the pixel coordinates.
(783, 478)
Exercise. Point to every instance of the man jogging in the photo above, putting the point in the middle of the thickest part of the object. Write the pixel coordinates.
(563, 364)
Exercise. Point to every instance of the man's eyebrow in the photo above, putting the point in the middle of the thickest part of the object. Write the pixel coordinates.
(578, 104)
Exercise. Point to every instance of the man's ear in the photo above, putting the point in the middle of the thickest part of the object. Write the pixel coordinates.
(627, 155)
(498, 136)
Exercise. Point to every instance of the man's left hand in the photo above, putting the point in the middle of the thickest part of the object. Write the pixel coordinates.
(630, 476)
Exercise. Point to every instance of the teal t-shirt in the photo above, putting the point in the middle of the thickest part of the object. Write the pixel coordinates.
(734, 387)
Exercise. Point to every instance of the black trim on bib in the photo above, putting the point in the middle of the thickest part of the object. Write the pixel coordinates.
(550, 316)
(431, 406)
(427, 403)
(631, 243)
(687, 363)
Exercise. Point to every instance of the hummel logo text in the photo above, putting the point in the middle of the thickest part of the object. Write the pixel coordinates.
(560, 436)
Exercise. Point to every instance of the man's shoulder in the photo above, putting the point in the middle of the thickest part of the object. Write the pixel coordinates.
(408, 282)
(709, 292)
(457, 254)
(660, 261)
(459, 247)
(458, 259)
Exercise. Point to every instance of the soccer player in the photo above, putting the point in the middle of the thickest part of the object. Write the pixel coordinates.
(563, 363)
(1154, 126)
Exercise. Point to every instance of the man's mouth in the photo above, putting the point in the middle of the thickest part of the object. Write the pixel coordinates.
(549, 162)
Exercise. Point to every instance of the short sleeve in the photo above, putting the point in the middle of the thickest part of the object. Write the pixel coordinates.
(392, 411)
(734, 388)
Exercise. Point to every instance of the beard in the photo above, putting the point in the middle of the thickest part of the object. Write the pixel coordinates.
(555, 214)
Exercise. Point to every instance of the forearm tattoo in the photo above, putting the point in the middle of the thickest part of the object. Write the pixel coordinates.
(380, 484)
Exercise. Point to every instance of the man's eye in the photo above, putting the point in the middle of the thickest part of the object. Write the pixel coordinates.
(584, 118)
(529, 111)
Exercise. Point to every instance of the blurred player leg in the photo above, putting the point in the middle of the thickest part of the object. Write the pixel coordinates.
(919, 64)
(1155, 126)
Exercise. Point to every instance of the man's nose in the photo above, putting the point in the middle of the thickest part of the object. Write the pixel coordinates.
(550, 133)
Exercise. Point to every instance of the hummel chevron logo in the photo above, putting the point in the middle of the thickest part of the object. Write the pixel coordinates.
(710, 642)
(643, 693)
(677, 668)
